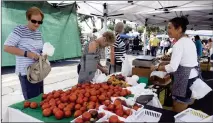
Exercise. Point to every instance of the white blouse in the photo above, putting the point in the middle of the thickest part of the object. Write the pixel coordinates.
(184, 54)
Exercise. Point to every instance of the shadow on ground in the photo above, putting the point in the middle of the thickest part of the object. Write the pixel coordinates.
(58, 63)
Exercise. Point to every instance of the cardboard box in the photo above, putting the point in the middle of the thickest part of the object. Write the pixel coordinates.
(141, 72)
(205, 66)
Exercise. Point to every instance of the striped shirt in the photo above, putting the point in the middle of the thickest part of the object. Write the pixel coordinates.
(120, 48)
(25, 39)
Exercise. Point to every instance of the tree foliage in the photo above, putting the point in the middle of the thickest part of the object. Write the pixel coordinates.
(85, 18)
(111, 26)
(140, 29)
(127, 29)
(153, 29)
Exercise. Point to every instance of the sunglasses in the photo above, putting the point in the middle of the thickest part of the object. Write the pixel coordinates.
(35, 21)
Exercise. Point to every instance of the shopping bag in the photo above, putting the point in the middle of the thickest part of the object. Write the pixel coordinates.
(99, 77)
(126, 69)
(199, 89)
(48, 49)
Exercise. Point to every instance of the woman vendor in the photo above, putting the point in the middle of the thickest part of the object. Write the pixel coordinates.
(90, 60)
(183, 64)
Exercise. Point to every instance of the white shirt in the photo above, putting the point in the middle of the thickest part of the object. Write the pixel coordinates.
(184, 54)
(162, 43)
(166, 44)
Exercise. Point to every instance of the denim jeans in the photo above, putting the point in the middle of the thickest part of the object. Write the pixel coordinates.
(30, 90)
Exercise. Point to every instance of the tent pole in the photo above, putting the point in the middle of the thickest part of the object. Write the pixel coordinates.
(105, 13)
(144, 39)
(144, 36)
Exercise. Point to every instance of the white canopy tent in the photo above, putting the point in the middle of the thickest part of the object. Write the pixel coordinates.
(199, 13)
(157, 13)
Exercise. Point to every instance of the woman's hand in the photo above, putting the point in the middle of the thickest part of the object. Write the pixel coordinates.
(32, 55)
(105, 70)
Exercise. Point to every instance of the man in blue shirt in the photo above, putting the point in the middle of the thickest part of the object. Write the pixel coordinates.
(198, 46)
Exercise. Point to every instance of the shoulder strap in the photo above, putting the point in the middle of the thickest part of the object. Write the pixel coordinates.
(41, 67)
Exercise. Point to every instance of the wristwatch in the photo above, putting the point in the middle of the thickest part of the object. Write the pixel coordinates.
(25, 53)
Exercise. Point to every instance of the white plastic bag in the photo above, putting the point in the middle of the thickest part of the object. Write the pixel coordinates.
(155, 102)
(131, 81)
(158, 73)
(126, 69)
(199, 89)
(99, 77)
(137, 89)
(48, 49)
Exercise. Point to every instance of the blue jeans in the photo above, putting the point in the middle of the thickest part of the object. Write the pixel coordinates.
(30, 90)
(154, 50)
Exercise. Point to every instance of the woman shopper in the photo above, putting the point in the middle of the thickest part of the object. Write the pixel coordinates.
(167, 45)
(162, 46)
(25, 42)
(117, 51)
(198, 45)
(183, 64)
(90, 60)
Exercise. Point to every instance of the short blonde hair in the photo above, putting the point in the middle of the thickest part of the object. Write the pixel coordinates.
(110, 37)
(34, 11)
(119, 27)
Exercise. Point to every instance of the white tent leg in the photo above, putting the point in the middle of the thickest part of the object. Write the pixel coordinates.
(144, 39)
(105, 23)
(105, 10)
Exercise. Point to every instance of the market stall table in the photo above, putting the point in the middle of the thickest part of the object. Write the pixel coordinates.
(15, 115)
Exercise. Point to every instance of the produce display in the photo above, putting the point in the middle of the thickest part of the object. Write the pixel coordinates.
(123, 102)
(90, 116)
(32, 105)
(118, 109)
(77, 100)
(113, 119)
(118, 80)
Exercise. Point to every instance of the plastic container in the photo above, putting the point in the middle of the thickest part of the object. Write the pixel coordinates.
(190, 115)
(101, 108)
(99, 111)
(146, 115)
(129, 106)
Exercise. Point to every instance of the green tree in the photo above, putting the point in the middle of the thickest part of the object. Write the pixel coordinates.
(127, 29)
(153, 29)
(85, 18)
(111, 26)
(80, 30)
(140, 29)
